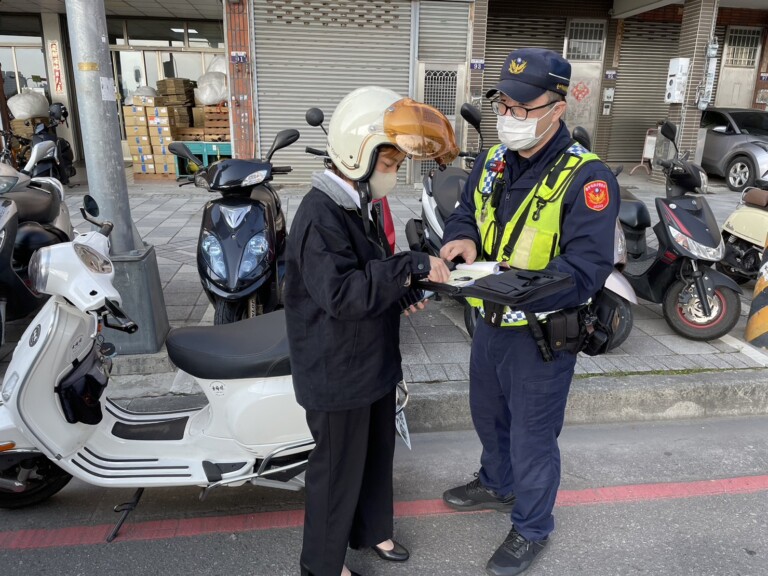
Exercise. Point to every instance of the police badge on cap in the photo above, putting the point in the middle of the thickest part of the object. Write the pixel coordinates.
(529, 72)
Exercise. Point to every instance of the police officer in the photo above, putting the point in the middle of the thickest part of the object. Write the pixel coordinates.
(537, 200)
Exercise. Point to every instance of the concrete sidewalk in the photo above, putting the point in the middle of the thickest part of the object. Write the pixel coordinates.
(654, 374)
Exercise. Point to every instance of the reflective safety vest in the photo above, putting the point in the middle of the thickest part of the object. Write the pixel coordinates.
(531, 238)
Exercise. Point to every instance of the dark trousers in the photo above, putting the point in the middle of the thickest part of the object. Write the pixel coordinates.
(518, 405)
(348, 484)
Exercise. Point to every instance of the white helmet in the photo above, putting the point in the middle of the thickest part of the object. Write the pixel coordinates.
(372, 116)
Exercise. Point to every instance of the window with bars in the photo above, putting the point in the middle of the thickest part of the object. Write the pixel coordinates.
(585, 40)
(439, 91)
(743, 44)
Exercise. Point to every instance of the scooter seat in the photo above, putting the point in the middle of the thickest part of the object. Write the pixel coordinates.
(35, 205)
(634, 213)
(253, 348)
(756, 197)
(447, 186)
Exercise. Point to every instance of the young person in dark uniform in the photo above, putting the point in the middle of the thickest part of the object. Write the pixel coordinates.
(538, 200)
(343, 288)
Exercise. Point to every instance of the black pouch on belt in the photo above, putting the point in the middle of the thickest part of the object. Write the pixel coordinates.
(564, 330)
(494, 313)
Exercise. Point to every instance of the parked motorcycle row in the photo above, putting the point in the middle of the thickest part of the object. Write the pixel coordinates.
(54, 425)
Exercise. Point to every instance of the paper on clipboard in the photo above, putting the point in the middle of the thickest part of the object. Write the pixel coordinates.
(466, 274)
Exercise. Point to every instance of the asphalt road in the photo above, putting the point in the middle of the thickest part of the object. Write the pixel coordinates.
(673, 498)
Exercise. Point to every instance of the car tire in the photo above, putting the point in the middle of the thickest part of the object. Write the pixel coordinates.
(740, 173)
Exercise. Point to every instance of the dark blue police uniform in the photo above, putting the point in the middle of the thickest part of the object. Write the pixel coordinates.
(517, 400)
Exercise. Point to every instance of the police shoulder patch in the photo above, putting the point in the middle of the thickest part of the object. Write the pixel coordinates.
(596, 195)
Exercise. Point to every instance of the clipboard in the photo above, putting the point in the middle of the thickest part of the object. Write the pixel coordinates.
(513, 287)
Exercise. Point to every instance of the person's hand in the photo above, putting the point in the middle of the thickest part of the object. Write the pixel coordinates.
(464, 248)
(438, 271)
(413, 309)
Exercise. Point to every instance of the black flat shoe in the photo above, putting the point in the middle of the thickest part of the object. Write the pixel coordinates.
(398, 554)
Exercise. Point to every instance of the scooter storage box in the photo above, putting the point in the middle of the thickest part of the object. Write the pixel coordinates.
(80, 390)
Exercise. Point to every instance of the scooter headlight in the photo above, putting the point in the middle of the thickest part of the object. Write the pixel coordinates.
(255, 178)
(7, 183)
(697, 249)
(214, 255)
(39, 266)
(257, 247)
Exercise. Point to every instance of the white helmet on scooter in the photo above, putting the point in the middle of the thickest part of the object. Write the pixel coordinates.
(373, 116)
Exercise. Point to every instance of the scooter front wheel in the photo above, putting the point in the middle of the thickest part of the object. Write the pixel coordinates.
(226, 312)
(39, 479)
(684, 314)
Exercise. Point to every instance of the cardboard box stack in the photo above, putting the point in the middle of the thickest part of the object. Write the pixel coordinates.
(149, 132)
(137, 134)
(177, 91)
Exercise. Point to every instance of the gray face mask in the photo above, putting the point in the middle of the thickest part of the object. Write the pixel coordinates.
(520, 134)
(382, 183)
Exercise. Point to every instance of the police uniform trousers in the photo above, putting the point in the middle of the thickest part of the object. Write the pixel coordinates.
(518, 405)
(349, 498)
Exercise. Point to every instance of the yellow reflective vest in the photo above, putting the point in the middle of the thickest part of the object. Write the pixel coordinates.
(531, 238)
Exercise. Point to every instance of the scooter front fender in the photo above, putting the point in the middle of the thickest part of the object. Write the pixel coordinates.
(717, 278)
(620, 286)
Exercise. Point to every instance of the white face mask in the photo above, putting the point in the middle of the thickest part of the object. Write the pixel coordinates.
(382, 183)
(520, 134)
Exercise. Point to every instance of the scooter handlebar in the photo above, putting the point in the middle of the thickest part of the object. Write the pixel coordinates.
(665, 163)
(315, 151)
(281, 169)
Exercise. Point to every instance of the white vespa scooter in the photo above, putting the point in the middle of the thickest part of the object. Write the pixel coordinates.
(51, 421)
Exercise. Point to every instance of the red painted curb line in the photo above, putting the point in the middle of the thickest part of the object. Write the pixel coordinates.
(187, 527)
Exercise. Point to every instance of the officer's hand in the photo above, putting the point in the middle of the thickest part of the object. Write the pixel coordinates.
(438, 271)
(464, 248)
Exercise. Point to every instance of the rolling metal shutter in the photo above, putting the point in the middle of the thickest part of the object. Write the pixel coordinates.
(507, 33)
(638, 102)
(443, 30)
(312, 53)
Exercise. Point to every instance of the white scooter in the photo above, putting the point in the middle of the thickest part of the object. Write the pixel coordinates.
(51, 421)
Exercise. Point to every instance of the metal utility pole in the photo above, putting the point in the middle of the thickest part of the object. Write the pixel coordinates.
(136, 273)
(99, 124)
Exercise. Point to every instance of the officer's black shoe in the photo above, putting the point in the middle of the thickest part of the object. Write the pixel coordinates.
(514, 556)
(475, 496)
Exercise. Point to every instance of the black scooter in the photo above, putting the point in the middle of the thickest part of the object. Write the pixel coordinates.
(60, 165)
(698, 302)
(242, 234)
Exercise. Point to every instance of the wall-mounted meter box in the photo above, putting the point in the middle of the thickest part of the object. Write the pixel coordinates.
(677, 80)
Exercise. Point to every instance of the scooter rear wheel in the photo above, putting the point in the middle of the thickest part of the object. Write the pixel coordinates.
(683, 312)
(44, 481)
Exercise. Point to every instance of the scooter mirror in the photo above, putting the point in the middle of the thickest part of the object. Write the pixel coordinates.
(91, 206)
(471, 115)
(284, 138)
(181, 150)
(669, 131)
(314, 117)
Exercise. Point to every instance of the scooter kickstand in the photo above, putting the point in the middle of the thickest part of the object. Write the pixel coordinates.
(125, 508)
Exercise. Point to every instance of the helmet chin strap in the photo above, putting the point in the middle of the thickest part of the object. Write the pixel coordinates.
(365, 198)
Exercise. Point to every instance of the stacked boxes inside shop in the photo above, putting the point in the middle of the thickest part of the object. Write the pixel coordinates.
(153, 122)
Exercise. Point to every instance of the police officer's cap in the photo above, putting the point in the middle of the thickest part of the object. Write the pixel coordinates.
(529, 72)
